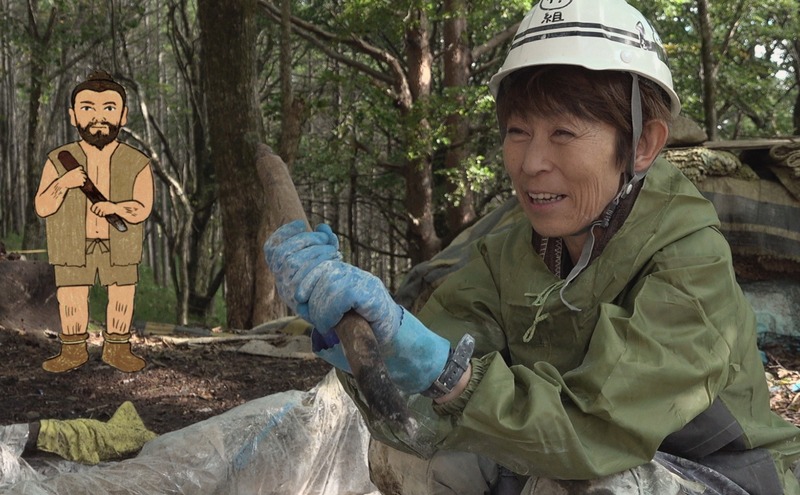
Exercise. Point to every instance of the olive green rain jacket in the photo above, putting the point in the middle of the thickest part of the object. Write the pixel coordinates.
(661, 356)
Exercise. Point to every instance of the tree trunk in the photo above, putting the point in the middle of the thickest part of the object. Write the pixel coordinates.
(796, 109)
(39, 40)
(461, 211)
(292, 108)
(202, 261)
(423, 239)
(9, 219)
(709, 69)
(235, 130)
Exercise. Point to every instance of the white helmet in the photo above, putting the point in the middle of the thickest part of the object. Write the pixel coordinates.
(595, 34)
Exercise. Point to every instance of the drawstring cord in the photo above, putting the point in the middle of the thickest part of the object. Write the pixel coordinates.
(538, 302)
(627, 188)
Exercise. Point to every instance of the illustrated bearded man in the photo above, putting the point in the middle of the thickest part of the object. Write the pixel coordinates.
(82, 245)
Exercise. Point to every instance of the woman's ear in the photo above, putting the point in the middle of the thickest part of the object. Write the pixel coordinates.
(654, 137)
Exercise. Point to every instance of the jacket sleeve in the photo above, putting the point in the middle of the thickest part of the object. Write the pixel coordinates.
(658, 357)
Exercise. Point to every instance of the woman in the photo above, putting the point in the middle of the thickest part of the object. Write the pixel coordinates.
(612, 344)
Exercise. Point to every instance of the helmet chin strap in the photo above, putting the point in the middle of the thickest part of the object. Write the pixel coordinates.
(605, 219)
(636, 125)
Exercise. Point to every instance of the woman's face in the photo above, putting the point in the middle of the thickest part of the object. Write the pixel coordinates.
(564, 172)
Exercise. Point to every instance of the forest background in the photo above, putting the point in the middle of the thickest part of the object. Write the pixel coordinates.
(379, 108)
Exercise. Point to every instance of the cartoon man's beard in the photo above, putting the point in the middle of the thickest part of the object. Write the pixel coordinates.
(98, 139)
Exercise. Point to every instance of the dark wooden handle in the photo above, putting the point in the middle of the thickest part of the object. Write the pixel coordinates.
(358, 341)
(90, 190)
(370, 373)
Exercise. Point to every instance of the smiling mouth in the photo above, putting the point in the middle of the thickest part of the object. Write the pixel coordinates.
(545, 198)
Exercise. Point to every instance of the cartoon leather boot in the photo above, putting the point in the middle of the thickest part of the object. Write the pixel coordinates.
(117, 352)
(72, 355)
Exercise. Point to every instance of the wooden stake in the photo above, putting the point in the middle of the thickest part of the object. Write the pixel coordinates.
(354, 332)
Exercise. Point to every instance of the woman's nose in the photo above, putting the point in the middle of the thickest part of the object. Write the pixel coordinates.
(536, 158)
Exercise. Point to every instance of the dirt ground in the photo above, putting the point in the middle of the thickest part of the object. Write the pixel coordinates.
(783, 377)
(180, 385)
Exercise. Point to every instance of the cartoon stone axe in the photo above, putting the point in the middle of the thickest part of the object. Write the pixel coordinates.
(90, 190)
(358, 342)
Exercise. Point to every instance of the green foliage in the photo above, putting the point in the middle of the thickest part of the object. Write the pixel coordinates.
(13, 241)
(752, 100)
(481, 175)
(359, 130)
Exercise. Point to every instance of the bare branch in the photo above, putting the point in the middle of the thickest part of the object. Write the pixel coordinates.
(323, 40)
(495, 41)
(32, 27)
(736, 21)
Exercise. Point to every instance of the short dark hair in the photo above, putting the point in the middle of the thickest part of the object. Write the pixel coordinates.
(602, 96)
(99, 81)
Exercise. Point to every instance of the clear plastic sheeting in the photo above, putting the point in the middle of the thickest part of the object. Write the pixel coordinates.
(292, 443)
(12, 443)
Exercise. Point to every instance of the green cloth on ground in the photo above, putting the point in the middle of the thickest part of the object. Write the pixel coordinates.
(90, 441)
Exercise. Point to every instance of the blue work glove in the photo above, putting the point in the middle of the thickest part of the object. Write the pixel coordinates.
(414, 355)
(292, 252)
